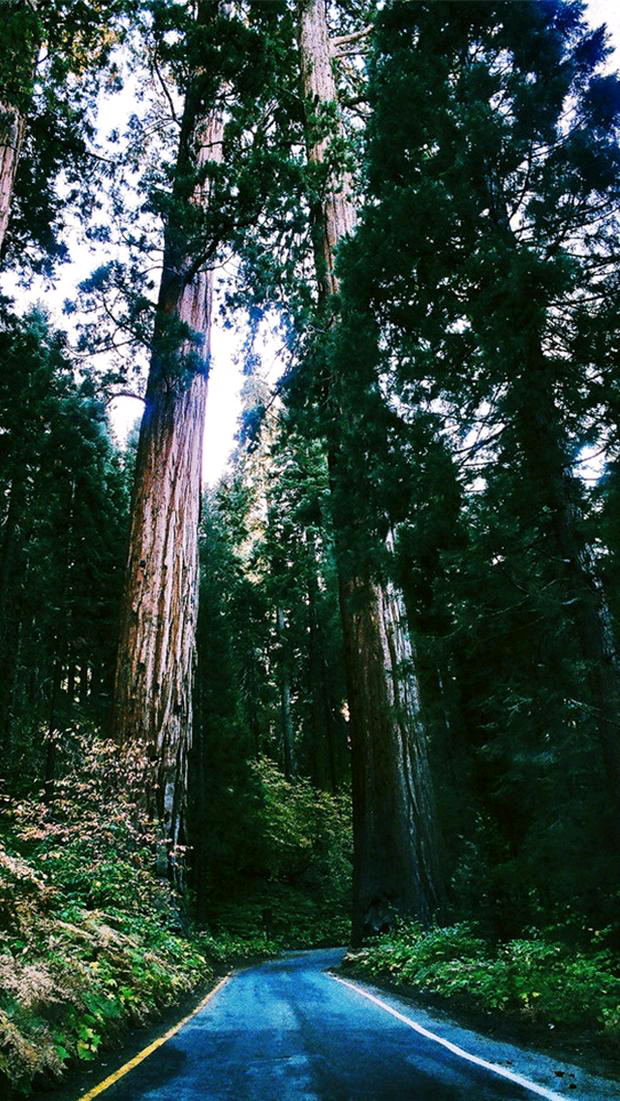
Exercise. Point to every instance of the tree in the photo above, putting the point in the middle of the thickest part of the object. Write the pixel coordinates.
(395, 843)
(153, 692)
(489, 233)
(223, 65)
(63, 527)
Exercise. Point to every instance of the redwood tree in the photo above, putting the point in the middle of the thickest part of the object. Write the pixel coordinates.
(396, 860)
(222, 66)
(153, 690)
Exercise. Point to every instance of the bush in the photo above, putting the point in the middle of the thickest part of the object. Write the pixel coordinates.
(90, 939)
(293, 878)
(539, 979)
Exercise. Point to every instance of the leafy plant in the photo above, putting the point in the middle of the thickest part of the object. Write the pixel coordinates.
(541, 979)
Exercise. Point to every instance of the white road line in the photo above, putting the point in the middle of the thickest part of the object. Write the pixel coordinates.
(458, 1051)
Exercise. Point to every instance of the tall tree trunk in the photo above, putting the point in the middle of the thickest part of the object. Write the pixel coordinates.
(11, 578)
(8, 534)
(155, 666)
(12, 131)
(12, 128)
(395, 863)
(53, 733)
(83, 683)
(286, 718)
(326, 767)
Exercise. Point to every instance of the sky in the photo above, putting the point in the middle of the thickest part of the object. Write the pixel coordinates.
(225, 380)
(607, 11)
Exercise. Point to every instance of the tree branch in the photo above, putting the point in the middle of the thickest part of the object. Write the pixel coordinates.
(345, 39)
(125, 394)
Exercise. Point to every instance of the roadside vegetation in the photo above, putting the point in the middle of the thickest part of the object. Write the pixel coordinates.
(562, 977)
(93, 943)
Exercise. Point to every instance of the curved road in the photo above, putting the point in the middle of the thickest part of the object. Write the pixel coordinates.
(286, 1031)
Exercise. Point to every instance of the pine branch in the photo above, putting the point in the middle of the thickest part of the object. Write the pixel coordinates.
(164, 87)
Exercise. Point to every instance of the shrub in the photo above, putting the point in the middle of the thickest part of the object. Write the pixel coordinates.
(90, 939)
(540, 979)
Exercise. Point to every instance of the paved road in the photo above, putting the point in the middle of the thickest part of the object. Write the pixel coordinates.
(285, 1031)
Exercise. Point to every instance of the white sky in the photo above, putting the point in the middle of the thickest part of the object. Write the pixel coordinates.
(223, 405)
(606, 11)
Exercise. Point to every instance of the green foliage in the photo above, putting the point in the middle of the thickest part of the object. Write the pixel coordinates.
(64, 515)
(301, 850)
(540, 979)
(289, 879)
(268, 623)
(55, 58)
(465, 293)
(90, 940)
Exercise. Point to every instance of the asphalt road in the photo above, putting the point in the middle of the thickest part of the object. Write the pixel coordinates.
(286, 1031)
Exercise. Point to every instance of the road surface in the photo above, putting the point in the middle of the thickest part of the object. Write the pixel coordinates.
(286, 1031)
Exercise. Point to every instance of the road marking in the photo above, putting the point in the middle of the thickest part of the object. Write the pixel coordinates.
(122, 1071)
(462, 1054)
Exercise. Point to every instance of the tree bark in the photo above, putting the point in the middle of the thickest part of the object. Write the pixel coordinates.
(12, 129)
(395, 864)
(8, 533)
(156, 656)
(11, 575)
(326, 765)
(288, 739)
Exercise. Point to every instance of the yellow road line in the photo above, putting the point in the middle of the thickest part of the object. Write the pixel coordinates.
(122, 1071)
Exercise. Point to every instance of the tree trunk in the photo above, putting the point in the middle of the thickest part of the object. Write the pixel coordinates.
(395, 854)
(84, 687)
(12, 573)
(12, 131)
(155, 666)
(336, 218)
(288, 741)
(395, 844)
(53, 733)
(8, 534)
(325, 765)
(12, 127)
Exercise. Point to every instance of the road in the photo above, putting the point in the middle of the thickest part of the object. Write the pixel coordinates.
(287, 1031)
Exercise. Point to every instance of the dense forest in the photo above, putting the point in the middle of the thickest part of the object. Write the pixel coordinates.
(365, 689)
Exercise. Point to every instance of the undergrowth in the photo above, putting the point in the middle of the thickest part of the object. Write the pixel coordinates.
(541, 978)
(91, 942)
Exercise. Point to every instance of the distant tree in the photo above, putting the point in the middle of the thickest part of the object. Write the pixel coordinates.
(63, 528)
